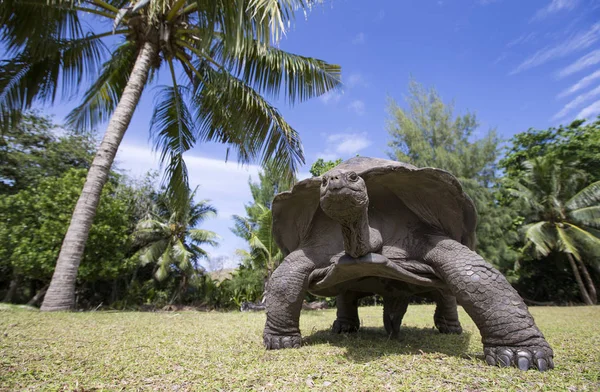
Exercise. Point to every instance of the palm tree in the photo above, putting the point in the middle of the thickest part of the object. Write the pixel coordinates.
(220, 61)
(171, 241)
(564, 218)
(264, 253)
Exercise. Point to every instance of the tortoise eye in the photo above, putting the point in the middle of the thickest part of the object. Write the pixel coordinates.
(324, 182)
(353, 176)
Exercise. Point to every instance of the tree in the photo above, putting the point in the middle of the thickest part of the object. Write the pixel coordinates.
(429, 134)
(31, 151)
(579, 143)
(171, 241)
(320, 166)
(563, 217)
(224, 51)
(34, 220)
(257, 229)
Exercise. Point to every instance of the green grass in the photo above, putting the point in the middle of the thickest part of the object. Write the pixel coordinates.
(223, 351)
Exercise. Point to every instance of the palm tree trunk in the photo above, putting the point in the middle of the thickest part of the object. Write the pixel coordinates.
(591, 288)
(582, 289)
(61, 293)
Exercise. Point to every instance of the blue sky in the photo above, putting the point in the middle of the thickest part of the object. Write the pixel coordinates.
(515, 63)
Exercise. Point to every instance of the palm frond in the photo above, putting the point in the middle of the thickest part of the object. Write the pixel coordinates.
(102, 97)
(30, 77)
(271, 70)
(276, 15)
(567, 244)
(199, 252)
(200, 212)
(242, 227)
(200, 237)
(541, 236)
(164, 263)
(231, 112)
(152, 253)
(588, 236)
(589, 216)
(182, 257)
(587, 197)
(172, 130)
(34, 23)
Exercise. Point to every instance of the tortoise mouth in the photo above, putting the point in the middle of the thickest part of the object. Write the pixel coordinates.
(343, 198)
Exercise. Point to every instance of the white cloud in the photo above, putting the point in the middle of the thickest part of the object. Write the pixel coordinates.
(359, 39)
(224, 183)
(576, 42)
(523, 39)
(357, 106)
(331, 97)
(588, 60)
(348, 143)
(487, 2)
(577, 102)
(554, 7)
(590, 111)
(356, 79)
(583, 83)
(381, 14)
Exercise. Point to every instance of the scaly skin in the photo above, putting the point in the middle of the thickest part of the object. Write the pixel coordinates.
(508, 331)
(509, 334)
(287, 288)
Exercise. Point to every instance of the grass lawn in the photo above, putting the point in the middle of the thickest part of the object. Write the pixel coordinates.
(223, 351)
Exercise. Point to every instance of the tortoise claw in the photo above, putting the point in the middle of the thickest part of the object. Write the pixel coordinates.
(277, 342)
(523, 358)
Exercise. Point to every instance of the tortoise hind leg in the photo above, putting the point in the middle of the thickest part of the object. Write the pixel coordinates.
(445, 317)
(394, 309)
(347, 312)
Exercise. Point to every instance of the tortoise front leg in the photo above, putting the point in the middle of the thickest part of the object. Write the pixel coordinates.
(286, 289)
(509, 334)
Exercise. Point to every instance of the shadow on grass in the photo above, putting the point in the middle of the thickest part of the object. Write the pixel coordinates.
(371, 343)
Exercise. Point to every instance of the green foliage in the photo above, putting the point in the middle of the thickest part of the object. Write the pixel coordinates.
(427, 134)
(497, 225)
(247, 283)
(170, 240)
(320, 166)
(577, 144)
(30, 151)
(35, 219)
(560, 216)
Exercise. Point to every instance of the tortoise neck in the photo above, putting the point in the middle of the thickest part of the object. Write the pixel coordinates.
(359, 237)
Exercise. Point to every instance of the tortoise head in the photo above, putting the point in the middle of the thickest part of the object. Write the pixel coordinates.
(343, 195)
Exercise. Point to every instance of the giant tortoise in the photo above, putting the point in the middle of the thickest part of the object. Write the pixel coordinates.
(385, 227)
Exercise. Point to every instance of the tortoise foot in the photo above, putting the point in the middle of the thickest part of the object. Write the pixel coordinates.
(448, 326)
(277, 342)
(524, 358)
(344, 326)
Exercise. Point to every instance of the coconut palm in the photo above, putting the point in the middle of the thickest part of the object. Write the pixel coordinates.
(219, 59)
(171, 240)
(564, 218)
(264, 253)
